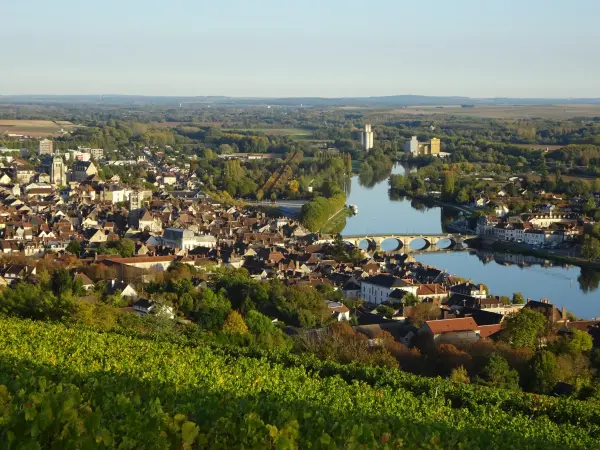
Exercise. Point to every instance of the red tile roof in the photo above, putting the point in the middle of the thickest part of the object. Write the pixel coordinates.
(450, 325)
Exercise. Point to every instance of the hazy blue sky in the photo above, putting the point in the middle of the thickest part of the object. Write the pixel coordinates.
(527, 48)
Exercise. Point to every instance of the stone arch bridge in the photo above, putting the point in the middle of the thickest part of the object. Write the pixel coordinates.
(403, 241)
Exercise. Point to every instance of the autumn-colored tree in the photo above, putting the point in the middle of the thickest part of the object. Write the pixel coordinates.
(423, 312)
(234, 323)
(450, 358)
(460, 375)
(293, 186)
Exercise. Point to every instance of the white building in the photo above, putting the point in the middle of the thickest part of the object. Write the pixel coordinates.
(366, 138)
(376, 290)
(412, 146)
(46, 147)
(186, 239)
(339, 311)
(58, 172)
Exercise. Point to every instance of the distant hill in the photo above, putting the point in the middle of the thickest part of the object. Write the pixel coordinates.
(392, 100)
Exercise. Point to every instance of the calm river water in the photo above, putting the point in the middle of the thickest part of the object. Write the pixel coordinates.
(575, 288)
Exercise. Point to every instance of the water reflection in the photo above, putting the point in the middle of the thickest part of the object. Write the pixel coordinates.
(507, 273)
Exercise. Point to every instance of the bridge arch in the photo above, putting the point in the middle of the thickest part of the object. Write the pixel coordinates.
(391, 244)
(419, 243)
(447, 243)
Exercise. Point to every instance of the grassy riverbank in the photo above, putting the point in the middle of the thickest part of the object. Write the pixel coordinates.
(337, 222)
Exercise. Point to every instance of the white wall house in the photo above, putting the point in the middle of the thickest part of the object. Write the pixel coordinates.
(186, 239)
(376, 290)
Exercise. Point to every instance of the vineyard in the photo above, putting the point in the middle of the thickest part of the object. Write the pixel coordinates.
(67, 387)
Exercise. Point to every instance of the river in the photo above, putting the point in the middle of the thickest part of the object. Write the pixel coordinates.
(571, 286)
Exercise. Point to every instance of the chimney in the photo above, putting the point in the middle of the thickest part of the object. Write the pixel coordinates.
(564, 313)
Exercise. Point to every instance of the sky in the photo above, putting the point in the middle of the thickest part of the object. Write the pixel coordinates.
(291, 48)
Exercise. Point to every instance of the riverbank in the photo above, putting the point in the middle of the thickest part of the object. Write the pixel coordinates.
(513, 247)
(336, 222)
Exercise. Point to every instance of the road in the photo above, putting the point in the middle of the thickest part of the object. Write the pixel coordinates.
(287, 207)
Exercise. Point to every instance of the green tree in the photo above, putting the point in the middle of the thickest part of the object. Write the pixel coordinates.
(524, 328)
(590, 248)
(213, 310)
(448, 184)
(497, 373)
(462, 196)
(410, 299)
(518, 299)
(61, 281)
(74, 248)
(225, 149)
(576, 341)
(544, 372)
(385, 311)
(126, 248)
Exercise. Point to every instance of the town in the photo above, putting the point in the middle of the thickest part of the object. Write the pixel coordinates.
(194, 241)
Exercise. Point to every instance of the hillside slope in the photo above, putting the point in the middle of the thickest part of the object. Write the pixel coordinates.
(72, 388)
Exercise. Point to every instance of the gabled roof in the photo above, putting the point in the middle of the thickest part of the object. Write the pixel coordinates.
(387, 281)
(451, 325)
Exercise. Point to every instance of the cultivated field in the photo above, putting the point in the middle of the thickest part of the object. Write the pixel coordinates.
(35, 128)
(273, 131)
(505, 112)
(550, 148)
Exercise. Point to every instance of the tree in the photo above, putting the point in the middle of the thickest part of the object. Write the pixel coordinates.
(460, 375)
(410, 299)
(293, 186)
(423, 312)
(126, 248)
(518, 299)
(74, 248)
(544, 371)
(61, 281)
(385, 311)
(590, 248)
(449, 184)
(524, 328)
(225, 149)
(462, 196)
(497, 373)
(259, 195)
(575, 342)
(235, 323)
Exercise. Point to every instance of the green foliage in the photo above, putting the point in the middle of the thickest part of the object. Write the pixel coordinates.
(34, 302)
(544, 371)
(524, 328)
(109, 390)
(234, 323)
(518, 299)
(123, 247)
(385, 311)
(126, 247)
(498, 373)
(316, 213)
(590, 249)
(575, 342)
(74, 248)
(460, 375)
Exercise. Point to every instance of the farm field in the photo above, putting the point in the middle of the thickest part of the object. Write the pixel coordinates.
(297, 132)
(500, 112)
(35, 128)
(550, 148)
